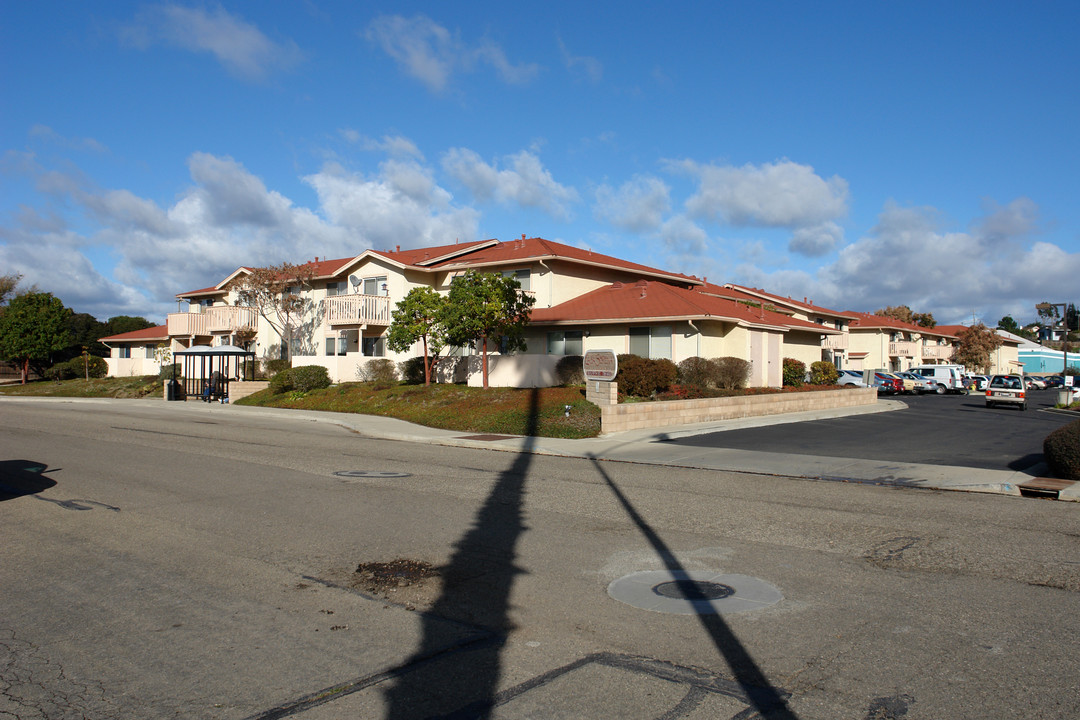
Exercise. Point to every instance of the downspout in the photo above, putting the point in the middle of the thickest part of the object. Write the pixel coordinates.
(698, 351)
(549, 274)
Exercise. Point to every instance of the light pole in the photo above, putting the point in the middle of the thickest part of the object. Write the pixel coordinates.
(1065, 343)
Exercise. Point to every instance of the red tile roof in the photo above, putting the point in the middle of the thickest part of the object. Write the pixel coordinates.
(648, 300)
(806, 305)
(869, 321)
(158, 332)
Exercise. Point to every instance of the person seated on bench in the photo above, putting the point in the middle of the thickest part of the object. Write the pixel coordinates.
(212, 389)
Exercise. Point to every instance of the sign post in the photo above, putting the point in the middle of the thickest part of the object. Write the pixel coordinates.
(601, 367)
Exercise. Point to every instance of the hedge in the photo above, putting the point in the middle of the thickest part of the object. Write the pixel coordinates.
(1062, 451)
(794, 372)
(642, 377)
(570, 371)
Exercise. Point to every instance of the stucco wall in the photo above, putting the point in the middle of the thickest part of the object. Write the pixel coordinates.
(636, 416)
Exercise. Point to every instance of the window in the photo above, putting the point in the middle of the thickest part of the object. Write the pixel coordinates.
(124, 351)
(376, 286)
(566, 342)
(337, 288)
(522, 276)
(149, 350)
(651, 342)
(374, 346)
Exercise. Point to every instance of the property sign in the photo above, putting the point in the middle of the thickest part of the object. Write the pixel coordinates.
(600, 365)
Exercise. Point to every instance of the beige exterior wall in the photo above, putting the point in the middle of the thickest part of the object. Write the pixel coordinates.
(137, 364)
(803, 346)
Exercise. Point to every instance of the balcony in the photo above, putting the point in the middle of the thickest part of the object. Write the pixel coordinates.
(222, 319)
(358, 310)
(835, 342)
(937, 352)
(902, 349)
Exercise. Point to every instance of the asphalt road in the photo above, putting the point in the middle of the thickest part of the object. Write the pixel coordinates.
(935, 430)
(197, 561)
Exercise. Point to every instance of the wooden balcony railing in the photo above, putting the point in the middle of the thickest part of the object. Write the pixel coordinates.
(903, 349)
(835, 342)
(225, 318)
(937, 352)
(358, 310)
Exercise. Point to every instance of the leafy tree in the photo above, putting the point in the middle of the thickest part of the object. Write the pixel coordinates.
(7, 286)
(904, 314)
(1009, 325)
(974, 345)
(85, 330)
(32, 328)
(276, 294)
(483, 307)
(1047, 312)
(127, 323)
(419, 317)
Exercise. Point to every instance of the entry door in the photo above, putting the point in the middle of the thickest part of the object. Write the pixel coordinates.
(776, 378)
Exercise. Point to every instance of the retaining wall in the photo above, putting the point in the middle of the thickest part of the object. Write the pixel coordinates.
(635, 416)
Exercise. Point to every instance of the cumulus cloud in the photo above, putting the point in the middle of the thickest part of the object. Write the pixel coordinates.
(816, 240)
(682, 235)
(911, 258)
(780, 194)
(525, 182)
(239, 46)
(638, 205)
(430, 53)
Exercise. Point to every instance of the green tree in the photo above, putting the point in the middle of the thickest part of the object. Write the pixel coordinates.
(419, 317)
(974, 346)
(85, 330)
(1008, 324)
(904, 314)
(487, 307)
(7, 286)
(32, 328)
(127, 323)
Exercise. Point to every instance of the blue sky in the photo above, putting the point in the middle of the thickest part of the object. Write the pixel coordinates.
(859, 154)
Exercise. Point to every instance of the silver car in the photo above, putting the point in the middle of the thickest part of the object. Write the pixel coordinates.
(850, 377)
(1006, 390)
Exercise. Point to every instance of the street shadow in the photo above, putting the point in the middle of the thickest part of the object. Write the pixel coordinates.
(477, 582)
(22, 477)
(766, 700)
(1027, 461)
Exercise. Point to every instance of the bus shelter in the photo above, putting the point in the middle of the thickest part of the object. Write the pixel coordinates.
(207, 370)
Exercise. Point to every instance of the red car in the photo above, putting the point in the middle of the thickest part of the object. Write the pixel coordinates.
(888, 384)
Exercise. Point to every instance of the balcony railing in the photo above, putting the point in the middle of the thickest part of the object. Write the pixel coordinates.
(937, 352)
(358, 310)
(902, 349)
(225, 318)
(835, 342)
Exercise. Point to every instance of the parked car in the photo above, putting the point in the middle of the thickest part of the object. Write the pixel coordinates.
(887, 383)
(850, 378)
(1054, 381)
(919, 384)
(979, 382)
(947, 378)
(1006, 390)
(1034, 383)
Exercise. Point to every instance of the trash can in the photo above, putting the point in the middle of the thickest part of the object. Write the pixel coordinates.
(1063, 397)
(172, 390)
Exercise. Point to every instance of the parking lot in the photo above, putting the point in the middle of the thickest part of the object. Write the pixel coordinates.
(934, 429)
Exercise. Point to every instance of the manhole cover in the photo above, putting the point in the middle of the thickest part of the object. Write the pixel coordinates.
(372, 474)
(693, 590)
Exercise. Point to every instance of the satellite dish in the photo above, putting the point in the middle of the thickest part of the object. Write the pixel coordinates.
(355, 281)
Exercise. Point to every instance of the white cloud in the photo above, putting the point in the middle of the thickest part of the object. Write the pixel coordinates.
(238, 45)
(684, 236)
(430, 53)
(526, 182)
(581, 65)
(392, 145)
(780, 194)
(816, 240)
(638, 205)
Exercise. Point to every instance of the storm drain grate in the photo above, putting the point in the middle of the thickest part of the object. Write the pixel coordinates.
(693, 590)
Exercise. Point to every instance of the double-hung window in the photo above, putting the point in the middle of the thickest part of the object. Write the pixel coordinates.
(376, 286)
(522, 276)
(564, 342)
(337, 288)
(124, 351)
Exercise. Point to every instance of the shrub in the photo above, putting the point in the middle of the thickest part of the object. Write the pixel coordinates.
(166, 372)
(76, 367)
(412, 371)
(823, 373)
(570, 370)
(1062, 451)
(794, 372)
(642, 377)
(699, 372)
(380, 370)
(309, 377)
(281, 382)
(273, 367)
(732, 373)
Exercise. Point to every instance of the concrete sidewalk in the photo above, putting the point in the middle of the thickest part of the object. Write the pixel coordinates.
(653, 447)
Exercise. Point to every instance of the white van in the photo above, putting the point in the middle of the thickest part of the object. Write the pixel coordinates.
(947, 378)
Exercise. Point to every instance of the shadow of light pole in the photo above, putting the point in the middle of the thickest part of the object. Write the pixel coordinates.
(477, 582)
(768, 702)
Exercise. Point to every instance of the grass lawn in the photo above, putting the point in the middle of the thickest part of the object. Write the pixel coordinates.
(129, 387)
(461, 408)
